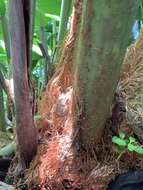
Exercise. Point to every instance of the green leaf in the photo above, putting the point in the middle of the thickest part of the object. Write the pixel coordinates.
(131, 147)
(135, 148)
(36, 51)
(44, 8)
(3, 56)
(132, 140)
(139, 149)
(119, 141)
(2, 8)
(122, 135)
(55, 17)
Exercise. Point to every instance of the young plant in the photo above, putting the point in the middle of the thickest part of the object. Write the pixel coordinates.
(130, 144)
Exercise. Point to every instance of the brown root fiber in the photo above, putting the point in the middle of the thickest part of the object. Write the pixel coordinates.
(131, 86)
(56, 167)
(60, 163)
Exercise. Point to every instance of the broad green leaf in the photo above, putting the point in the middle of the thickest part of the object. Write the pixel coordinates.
(139, 149)
(3, 58)
(119, 141)
(131, 147)
(46, 7)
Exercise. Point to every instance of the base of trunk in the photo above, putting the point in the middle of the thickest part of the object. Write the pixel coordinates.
(61, 162)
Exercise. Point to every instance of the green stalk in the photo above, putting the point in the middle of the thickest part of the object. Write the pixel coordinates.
(64, 15)
(44, 50)
(54, 35)
(4, 23)
(8, 149)
(2, 111)
(31, 30)
(65, 12)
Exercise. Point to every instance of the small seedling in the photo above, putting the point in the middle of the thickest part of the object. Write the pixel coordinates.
(131, 144)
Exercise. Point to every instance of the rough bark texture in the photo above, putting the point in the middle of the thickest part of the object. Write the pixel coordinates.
(26, 132)
(103, 38)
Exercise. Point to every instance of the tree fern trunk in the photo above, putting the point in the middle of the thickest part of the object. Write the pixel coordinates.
(103, 39)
